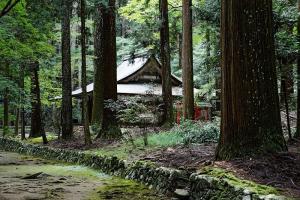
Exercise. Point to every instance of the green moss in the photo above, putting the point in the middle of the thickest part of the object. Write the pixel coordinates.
(39, 140)
(116, 188)
(60, 170)
(245, 184)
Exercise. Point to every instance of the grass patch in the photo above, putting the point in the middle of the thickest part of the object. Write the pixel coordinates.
(246, 184)
(126, 150)
(39, 140)
(162, 139)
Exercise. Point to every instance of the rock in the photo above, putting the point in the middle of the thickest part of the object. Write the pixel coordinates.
(34, 197)
(33, 176)
(274, 197)
(248, 197)
(182, 194)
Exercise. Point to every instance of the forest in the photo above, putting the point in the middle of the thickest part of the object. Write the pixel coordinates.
(150, 99)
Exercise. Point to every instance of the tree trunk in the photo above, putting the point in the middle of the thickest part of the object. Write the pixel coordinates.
(179, 40)
(6, 105)
(284, 98)
(251, 121)
(208, 46)
(165, 61)
(109, 129)
(22, 114)
(66, 118)
(298, 76)
(287, 79)
(87, 136)
(98, 100)
(36, 116)
(187, 60)
(17, 121)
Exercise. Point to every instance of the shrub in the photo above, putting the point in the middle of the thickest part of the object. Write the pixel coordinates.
(198, 132)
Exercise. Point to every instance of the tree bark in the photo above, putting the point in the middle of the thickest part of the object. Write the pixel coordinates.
(187, 60)
(287, 79)
(22, 114)
(297, 135)
(17, 121)
(165, 61)
(66, 118)
(251, 121)
(87, 135)
(36, 116)
(208, 46)
(6, 105)
(284, 97)
(179, 40)
(98, 99)
(109, 129)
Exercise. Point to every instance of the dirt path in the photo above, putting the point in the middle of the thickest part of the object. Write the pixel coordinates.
(20, 178)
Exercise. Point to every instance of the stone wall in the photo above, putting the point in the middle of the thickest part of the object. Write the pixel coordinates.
(165, 180)
(208, 187)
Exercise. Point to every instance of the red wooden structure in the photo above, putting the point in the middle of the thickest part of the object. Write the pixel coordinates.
(202, 112)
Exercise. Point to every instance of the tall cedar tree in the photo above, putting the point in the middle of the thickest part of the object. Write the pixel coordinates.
(87, 136)
(6, 104)
(105, 85)
(250, 104)
(110, 127)
(165, 60)
(298, 72)
(187, 60)
(66, 113)
(98, 101)
(37, 128)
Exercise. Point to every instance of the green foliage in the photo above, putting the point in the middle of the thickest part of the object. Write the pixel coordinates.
(131, 110)
(26, 36)
(162, 139)
(198, 132)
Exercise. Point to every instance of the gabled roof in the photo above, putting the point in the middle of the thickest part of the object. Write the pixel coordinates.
(127, 70)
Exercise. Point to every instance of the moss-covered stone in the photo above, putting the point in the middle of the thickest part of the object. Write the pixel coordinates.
(216, 183)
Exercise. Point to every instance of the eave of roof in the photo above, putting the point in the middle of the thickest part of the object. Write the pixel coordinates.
(137, 89)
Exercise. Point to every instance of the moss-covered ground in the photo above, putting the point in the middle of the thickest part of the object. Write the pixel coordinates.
(166, 149)
(62, 181)
(116, 189)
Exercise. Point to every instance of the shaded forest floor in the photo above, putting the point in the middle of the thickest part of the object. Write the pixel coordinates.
(281, 170)
(24, 177)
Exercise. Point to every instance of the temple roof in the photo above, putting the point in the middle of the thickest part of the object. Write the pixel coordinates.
(127, 73)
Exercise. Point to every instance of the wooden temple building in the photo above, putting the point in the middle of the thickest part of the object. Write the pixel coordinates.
(142, 77)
